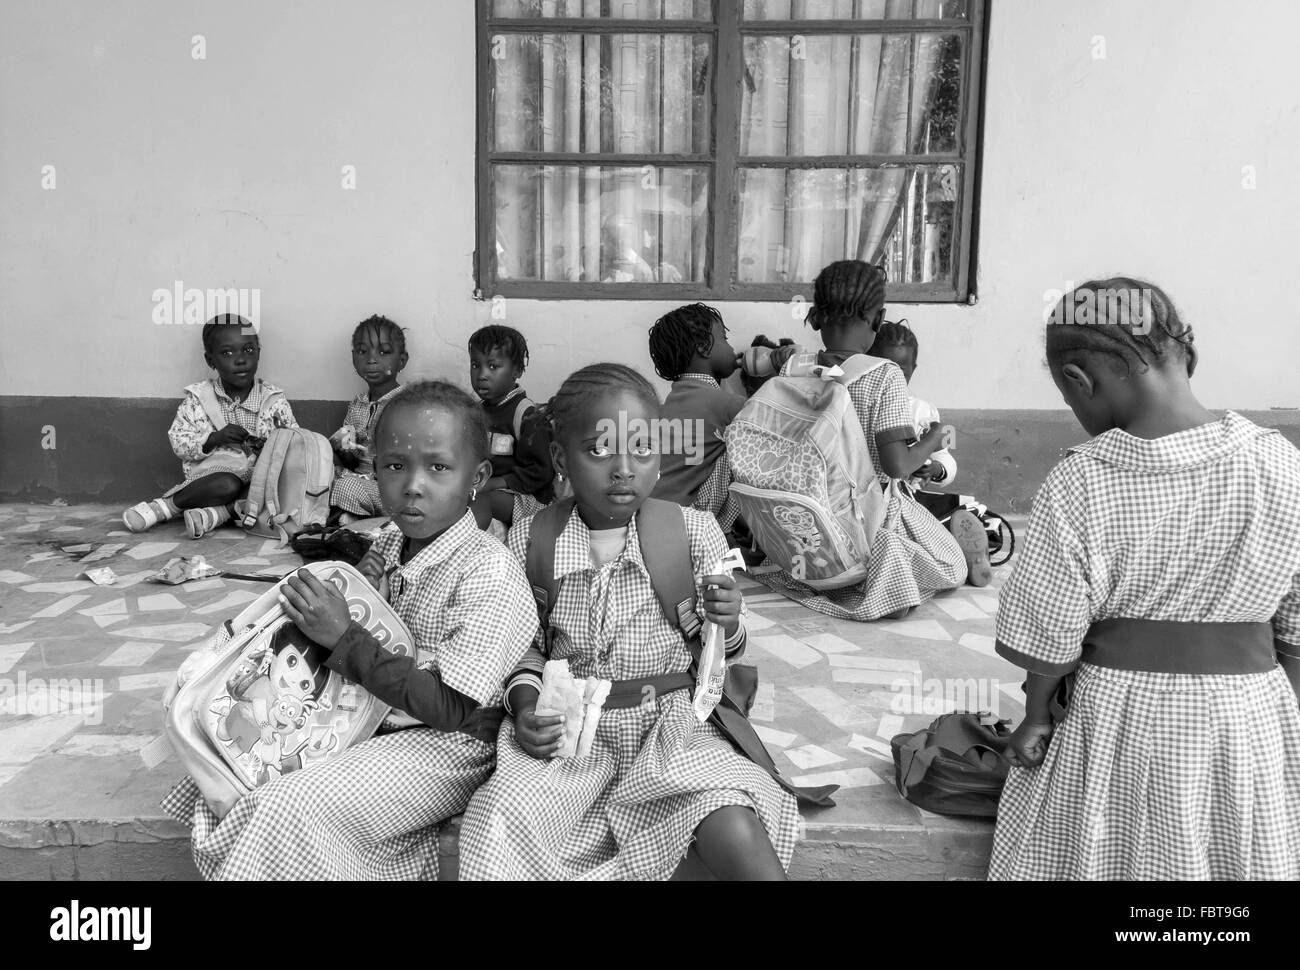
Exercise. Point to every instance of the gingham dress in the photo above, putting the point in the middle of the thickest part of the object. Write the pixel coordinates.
(714, 496)
(913, 556)
(264, 410)
(375, 811)
(1154, 775)
(357, 491)
(629, 809)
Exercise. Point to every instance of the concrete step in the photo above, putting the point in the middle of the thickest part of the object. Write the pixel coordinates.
(158, 849)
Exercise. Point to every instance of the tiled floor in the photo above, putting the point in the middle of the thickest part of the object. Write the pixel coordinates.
(83, 667)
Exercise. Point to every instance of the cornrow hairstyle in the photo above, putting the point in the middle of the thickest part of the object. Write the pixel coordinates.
(580, 387)
(1124, 318)
(469, 412)
(848, 290)
(381, 327)
(221, 320)
(897, 334)
(679, 335)
(507, 339)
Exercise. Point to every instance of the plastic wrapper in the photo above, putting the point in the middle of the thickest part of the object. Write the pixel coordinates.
(711, 674)
(183, 569)
(103, 576)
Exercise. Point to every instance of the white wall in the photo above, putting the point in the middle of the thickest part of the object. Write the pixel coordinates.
(226, 172)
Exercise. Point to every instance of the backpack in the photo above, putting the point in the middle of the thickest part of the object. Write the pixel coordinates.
(233, 730)
(955, 766)
(666, 551)
(802, 472)
(290, 487)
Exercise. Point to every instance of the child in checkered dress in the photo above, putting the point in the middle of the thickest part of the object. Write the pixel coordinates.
(689, 347)
(378, 356)
(523, 480)
(914, 556)
(374, 812)
(660, 793)
(217, 432)
(1162, 577)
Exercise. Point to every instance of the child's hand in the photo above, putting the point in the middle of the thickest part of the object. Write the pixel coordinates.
(317, 609)
(539, 736)
(934, 436)
(930, 472)
(372, 567)
(1028, 744)
(722, 602)
(231, 434)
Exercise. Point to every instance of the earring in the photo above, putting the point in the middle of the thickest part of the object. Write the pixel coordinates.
(473, 495)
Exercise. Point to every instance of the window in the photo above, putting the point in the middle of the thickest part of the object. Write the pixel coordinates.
(725, 149)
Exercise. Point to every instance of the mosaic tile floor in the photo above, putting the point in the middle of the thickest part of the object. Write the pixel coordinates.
(83, 667)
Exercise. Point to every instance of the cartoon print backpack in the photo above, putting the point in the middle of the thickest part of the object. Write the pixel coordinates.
(257, 701)
(802, 472)
(290, 487)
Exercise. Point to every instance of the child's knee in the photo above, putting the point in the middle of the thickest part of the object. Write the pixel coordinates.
(226, 487)
(733, 827)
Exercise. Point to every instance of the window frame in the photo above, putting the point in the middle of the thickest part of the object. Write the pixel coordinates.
(723, 161)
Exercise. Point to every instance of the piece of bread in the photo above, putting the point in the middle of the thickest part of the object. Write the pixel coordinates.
(563, 694)
(579, 699)
(596, 691)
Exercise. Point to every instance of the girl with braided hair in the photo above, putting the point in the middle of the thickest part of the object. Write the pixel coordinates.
(1158, 598)
(661, 794)
(913, 555)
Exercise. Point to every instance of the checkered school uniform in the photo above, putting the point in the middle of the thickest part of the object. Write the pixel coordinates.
(192, 426)
(913, 556)
(1158, 775)
(374, 812)
(629, 809)
(357, 491)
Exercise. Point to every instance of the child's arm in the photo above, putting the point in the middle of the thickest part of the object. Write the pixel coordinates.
(718, 596)
(321, 613)
(943, 467)
(893, 429)
(1027, 745)
(540, 737)
(190, 430)
(1044, 610)
(398, 681)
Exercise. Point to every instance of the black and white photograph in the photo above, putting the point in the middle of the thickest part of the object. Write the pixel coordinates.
(827, 441)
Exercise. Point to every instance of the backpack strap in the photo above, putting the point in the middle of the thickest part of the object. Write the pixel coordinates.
(539, 562)
(266, 474)
(211, 406)
(666, 547)
(857, 367)
(520, 410)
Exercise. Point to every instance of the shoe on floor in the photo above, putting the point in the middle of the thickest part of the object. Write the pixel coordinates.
(974, 542)
(146, 515)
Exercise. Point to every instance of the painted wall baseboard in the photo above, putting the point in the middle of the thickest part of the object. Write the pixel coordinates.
(115, 449)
